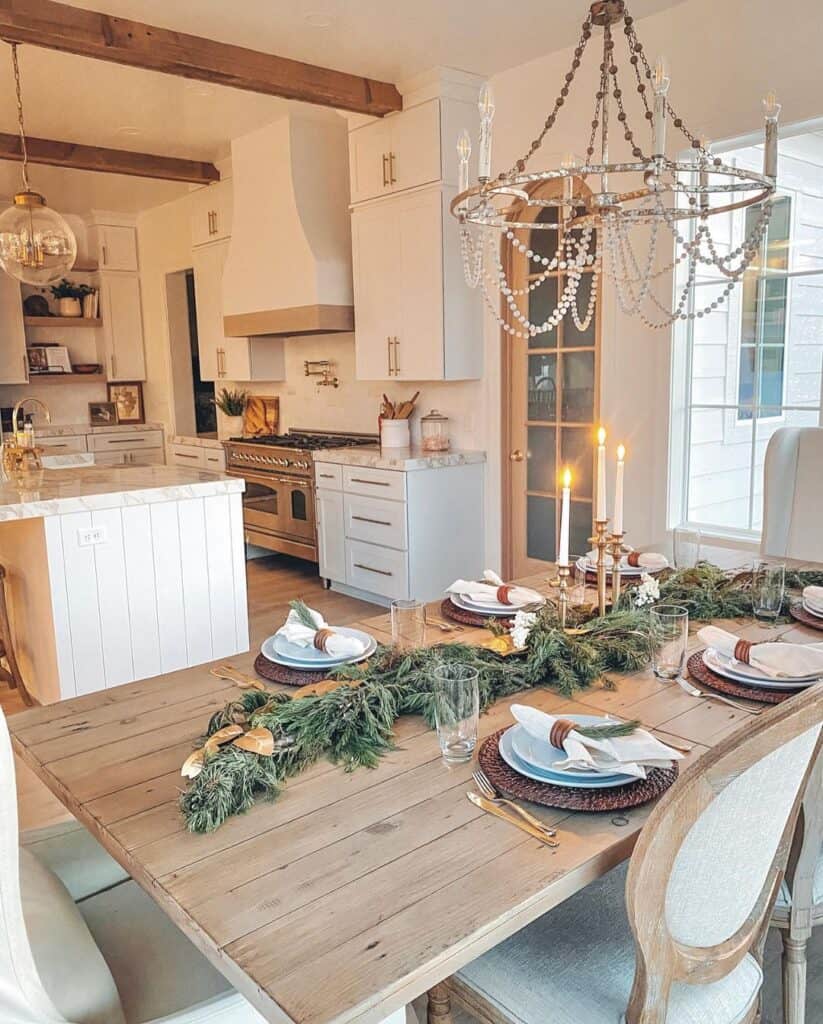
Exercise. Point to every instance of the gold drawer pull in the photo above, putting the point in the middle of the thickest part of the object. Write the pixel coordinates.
(373, 483)
(326, 476)
(368, 568)
(377, 522)
(183, 455)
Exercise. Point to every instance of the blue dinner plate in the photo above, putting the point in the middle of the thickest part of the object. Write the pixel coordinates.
(571, 780)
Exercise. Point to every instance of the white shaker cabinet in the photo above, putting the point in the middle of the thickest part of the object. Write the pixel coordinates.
(387, 535)
(211, 213)
(122, 332)
(395, 153)
(113, 245)
(414, 320)
(221, 357)
(14, 366)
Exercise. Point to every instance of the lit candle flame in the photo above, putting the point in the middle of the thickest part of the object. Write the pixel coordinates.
(485, 102)
(601, 436)
(567, 477)
(771, 107)
(661, 79)
(621, 452)
(464, 145)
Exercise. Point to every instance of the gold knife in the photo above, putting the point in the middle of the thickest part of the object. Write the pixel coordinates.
(490, 808)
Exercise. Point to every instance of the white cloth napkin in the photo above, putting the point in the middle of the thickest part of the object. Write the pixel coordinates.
(629, 755)
(486, 593)
(648, 560)
(813, 598)
(337, 646)
(780, 661)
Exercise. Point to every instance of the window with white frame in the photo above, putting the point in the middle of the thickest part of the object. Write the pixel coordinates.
(754, 364)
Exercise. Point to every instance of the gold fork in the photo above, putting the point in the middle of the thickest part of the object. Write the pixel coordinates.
(487, 789)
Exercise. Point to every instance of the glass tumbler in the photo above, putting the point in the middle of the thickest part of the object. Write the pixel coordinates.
(670, 630)
(456, 710)
(408, 624)
(768, 588)
(686, 544)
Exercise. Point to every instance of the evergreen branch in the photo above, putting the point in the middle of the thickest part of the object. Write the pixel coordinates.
(609, 731)
(304, 614)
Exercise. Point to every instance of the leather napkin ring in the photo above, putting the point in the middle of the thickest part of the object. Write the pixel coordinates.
(743, 650)
(321, 638)
(634, 559)
(560, 731)
(503, 592)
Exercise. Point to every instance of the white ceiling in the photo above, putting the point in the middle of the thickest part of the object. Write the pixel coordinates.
(81, 100)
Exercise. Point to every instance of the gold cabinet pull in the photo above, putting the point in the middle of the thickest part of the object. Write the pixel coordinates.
(368, 568)
(396, 356)
(105, 256)
(374, 483)
(388, 354)
(377, 522)
(392, 179)
(385, 170)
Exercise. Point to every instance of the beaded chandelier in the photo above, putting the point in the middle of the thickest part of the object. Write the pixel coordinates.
(601, 213)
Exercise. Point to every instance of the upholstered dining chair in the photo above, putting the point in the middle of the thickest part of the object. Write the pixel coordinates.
(677, 939)
(793, 495)
(799, 906)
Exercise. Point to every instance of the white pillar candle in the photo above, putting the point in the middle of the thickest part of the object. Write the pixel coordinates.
(563, 551)
(486, 107)
(771, 108)
(618, 490)
(600, 506)
(660, 85)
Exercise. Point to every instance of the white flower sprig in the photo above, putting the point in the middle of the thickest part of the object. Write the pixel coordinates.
(523, 625)
(648, 592)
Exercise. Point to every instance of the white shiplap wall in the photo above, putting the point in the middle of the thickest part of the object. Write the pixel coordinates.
(166, 589)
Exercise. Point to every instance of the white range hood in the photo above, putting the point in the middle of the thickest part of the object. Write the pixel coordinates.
(289, 264)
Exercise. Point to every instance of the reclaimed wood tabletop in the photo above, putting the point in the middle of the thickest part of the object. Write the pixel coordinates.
(353, 893)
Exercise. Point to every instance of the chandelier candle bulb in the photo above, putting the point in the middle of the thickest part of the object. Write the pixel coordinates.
(464, 151)
(600, 509)
(771, 109)
(486, 107)
(563, 550)
(618, 490)
(660, 84)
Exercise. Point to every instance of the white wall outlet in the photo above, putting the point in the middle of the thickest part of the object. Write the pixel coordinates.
(91, 535)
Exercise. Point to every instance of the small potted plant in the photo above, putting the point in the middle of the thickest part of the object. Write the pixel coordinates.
(70, 297)
(232, 405)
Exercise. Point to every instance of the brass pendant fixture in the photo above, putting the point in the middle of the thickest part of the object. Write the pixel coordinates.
(36, 243)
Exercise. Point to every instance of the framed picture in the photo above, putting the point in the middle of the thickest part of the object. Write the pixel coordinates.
(128, 398)
(102, 414)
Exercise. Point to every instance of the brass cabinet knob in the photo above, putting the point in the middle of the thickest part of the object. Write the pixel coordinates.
(516, 455)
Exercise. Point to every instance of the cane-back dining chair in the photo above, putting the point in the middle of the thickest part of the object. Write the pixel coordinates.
(799, 906)
(678, 938)
(793, 495)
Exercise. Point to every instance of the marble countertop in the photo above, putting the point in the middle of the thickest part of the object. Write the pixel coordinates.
(198, 442)
(76, 429)
(54, 492)
(404, 459)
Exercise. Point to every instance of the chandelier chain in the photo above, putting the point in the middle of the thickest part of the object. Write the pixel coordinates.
(19, 93)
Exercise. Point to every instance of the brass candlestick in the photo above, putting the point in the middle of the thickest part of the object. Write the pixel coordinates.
(616, 551)
(562, 584)
(601, 542)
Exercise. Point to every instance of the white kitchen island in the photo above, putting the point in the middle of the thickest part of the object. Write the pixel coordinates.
(120, 573)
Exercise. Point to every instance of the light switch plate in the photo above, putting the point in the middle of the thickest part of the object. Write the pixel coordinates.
(91, 535)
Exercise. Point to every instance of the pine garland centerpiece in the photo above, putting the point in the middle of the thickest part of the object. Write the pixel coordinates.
(353, 724)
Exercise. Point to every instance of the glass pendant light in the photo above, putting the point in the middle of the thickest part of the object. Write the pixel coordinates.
(36, 243)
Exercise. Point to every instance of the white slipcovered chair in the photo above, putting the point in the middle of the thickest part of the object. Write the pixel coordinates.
(113, 957)
(679, 938)
(799, 906)
(793, 495)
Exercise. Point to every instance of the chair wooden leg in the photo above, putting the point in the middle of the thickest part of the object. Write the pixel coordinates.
(794, 980)
(14, 672)
(440, 1005)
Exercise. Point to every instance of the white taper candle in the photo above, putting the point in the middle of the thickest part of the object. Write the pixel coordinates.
(600, 506)
(563, 551)
(617, 525)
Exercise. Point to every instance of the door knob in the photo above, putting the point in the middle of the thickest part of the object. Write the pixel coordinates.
(516, 455)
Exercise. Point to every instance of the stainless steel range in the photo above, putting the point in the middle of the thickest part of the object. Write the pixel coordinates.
(278, 504)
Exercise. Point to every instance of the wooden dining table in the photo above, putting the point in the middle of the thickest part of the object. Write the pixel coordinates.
(355, 892)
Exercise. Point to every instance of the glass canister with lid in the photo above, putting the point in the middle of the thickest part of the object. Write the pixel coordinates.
(434, 430)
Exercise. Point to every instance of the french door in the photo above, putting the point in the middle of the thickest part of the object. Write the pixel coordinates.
(550, 413)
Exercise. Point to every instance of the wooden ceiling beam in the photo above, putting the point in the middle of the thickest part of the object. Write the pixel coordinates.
(57, 26)
(109, 161)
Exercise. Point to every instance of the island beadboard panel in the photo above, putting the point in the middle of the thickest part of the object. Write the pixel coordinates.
(106, 596)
